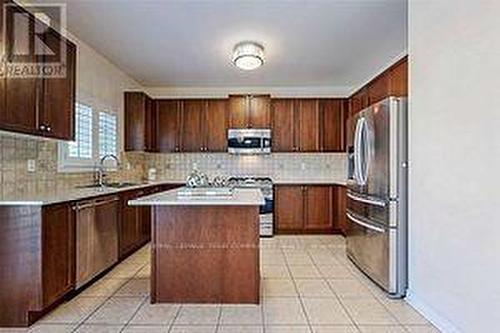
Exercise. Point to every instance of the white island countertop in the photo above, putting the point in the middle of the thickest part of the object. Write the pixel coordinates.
(240, 197)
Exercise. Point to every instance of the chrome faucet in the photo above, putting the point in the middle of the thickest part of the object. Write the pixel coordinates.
(100, 168)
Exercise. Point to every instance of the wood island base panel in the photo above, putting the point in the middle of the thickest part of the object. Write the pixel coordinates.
(205, 254)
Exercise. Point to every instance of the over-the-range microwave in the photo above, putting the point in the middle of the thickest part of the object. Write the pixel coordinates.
(249, 141)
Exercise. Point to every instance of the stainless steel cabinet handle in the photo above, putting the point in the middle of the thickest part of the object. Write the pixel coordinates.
(94, 204)
(364, 224)
(49, 129)
(42, 127)
(369, 201)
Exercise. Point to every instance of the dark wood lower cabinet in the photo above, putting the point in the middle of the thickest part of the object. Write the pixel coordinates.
(308, 209)
(340, 202)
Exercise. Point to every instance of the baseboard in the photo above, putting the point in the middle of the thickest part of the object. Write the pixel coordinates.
(443, 324)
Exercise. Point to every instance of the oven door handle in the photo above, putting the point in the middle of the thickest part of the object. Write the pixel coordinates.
(364, 224)
(375, 202)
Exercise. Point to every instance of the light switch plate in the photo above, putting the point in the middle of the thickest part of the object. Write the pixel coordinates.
(31, 165)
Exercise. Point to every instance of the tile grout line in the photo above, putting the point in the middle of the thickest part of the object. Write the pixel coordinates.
(337, 296)
(297, 291)
(135, 313)
(82, 321)
(175, 318)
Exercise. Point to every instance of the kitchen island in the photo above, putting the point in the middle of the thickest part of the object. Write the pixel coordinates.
(205, 249)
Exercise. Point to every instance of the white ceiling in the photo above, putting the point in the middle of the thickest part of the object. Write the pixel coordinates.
(188, 43)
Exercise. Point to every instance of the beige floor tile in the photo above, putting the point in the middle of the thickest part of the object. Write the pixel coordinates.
(241, 315)
(404, 313)
(368, 312)
(143, 273)
(304, 272)
(325, 259)
(325, 311)
(155, 314)
(283, 311)
(51, 328)
(103, 287)
(421, 329)
(278, 288)
(287, 329)
(350, 288)
(299, 259)
(116, 310)
(125, 270)
(99, 328)
(198, 315)
(335, 329)
(240, 329)
(335, 272)
(275, 272)
(134, 287)
(381, 329)
(313, 288)
(145, 329)
(193, 329)
(73, 311)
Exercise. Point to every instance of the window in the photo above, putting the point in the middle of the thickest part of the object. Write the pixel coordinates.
(96, 135)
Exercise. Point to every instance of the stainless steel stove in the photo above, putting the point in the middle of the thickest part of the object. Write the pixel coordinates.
(266, 211)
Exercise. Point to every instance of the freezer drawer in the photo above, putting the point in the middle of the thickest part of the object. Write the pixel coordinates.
(381, 211)
(377, 251)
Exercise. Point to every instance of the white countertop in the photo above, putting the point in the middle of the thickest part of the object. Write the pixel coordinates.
(240, 197)
(50, 197)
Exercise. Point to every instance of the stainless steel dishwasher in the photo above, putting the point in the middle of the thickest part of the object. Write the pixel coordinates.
(96, 237)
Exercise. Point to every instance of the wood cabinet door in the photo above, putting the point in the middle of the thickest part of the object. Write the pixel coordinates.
(339, 208)
(283, 128)
(191, 128)
(57, 111)
(238, 111)
(289, 208)
(259, 111)
(358, 101)
(21, 94)
(129, 223)
(151, 125)
(58, 237)
(105, 241)
(135, 121)
(332, 125)
(216, 125)
(168, 125)
(379, 88)
(308, 125)
(399, 78)
(318, 207)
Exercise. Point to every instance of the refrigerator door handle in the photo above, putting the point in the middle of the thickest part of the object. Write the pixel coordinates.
(364, 224)
(369, 201)
(357, 143)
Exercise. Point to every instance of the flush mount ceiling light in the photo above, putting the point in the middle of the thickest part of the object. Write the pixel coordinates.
(248, 55)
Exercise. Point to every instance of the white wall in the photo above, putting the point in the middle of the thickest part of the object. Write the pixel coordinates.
(98, 78)
(455, 162)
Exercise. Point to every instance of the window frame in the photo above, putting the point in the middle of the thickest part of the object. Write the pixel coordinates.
(67, 164)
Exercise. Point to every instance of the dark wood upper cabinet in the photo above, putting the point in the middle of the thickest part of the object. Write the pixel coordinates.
(308, 125)
(283, 125)
(192, 126)
(215, 125)
(37, 106)
(333, 116)
(250, 111)
(57, 114)
(392, 82)
(141, 120)
(318, 207)
(260, 111)
(289, 208)
(169, 114)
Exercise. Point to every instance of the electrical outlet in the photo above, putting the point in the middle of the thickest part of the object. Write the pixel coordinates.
(31, 165)
(128, 166)
(303, 166)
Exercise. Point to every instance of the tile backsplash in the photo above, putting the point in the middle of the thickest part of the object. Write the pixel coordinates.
(278, 166)
(17, 150)
(15, 179)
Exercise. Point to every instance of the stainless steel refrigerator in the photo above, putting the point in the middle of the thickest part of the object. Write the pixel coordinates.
(377, 193)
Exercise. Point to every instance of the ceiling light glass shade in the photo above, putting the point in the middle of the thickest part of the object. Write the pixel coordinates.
(248, 55)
